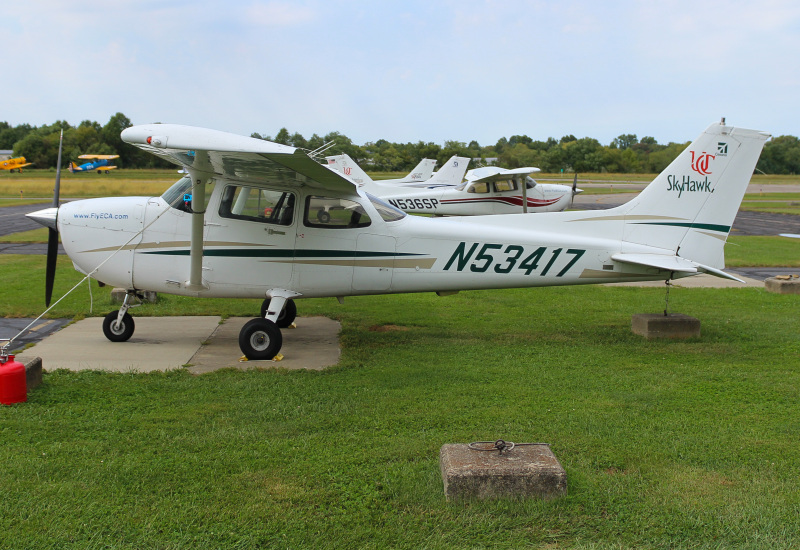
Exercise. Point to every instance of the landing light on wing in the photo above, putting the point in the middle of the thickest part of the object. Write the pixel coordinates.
(157, 141)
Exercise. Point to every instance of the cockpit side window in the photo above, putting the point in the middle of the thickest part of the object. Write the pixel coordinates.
(333, 213)
(256, 204)
(507, 185)
(481, 187)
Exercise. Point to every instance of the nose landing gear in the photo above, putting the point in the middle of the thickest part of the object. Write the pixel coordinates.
(118, 326)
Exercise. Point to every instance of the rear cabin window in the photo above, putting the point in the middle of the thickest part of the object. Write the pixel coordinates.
(332, 213)
(256, 204)
(508, 185)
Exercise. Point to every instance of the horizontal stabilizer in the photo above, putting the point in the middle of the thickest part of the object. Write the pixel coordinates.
(672, 263)
(718, 273)
(659, 261)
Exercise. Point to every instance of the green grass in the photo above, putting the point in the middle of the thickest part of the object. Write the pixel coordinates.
(756, 251)
(687, 444)
(776, 203)
(32, 236)
(665, 443)
(24, 202)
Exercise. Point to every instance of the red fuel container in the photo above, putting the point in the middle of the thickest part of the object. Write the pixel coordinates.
(13, 383)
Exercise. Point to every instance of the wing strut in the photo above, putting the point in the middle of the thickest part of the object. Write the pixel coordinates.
(523, 181)
(198, 221)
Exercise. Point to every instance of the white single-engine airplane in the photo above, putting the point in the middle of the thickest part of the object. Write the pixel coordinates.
(243, 224)
(488, 190)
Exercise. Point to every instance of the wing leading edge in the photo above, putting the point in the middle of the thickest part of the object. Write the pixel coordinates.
(235, 157)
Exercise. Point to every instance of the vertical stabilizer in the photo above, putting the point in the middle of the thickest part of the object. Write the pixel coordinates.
(347, 166)
(421, 172)
(452, 173)
(689, 208)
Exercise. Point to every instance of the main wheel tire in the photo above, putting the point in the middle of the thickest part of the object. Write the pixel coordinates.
(260, 339)
(323, 217)
(287, 316)
(123, 331)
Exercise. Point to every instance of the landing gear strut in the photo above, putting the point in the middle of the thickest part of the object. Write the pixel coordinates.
(118, 326)
(286, 316)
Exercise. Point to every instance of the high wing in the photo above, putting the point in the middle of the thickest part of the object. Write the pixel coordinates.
(235, 157)
(494, 173)
(102, 157)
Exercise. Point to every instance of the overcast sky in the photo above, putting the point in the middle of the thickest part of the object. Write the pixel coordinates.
(408, 70)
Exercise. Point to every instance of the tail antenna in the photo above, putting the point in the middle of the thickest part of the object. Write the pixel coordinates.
(318, 151)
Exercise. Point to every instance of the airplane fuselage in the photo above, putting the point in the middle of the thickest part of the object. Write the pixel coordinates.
(14, 164)
(449, 201)
(99, 164)
(316, 248)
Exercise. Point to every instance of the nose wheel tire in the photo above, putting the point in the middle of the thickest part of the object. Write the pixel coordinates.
(287, 316)
(118, 332)
(260, 339)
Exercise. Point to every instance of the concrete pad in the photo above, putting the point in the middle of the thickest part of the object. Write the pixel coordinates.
(658, 325)
(158, 343)
(783, 285)
(33, 373)
(163, 343)
(527, 470)
(314, 345)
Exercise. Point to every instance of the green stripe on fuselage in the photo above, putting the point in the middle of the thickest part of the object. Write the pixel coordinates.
(285, 253)
(708, 226)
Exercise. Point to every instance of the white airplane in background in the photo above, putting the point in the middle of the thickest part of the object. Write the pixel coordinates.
(488, 190)
(243, 224)
(347, 166)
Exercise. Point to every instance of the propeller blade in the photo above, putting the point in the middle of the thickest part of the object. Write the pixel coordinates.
(52, 238)
(575, 184)
(50, 270)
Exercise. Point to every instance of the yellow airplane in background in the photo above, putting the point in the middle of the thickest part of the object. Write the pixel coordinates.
(97, 162)
(14, 164)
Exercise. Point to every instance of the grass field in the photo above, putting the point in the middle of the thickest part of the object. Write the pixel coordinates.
(686, 444)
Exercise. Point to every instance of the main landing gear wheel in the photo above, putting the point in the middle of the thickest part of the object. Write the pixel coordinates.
(287, 316)
(118, 332)
(260, 339)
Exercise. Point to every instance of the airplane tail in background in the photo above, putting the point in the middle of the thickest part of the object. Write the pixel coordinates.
(451, 174)
(689, 208)
(421, 172)
(347, 166)
(72, 167)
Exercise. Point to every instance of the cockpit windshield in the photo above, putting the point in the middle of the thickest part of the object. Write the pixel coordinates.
(179, 195)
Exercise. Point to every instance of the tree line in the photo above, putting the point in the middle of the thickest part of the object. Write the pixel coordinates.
(626, 153)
